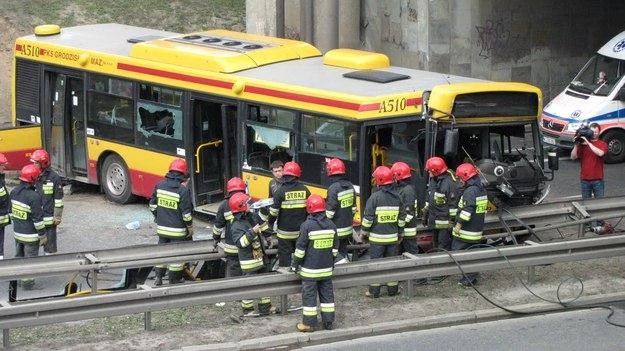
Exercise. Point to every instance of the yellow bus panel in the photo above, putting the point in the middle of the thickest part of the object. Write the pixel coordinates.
(18, 143)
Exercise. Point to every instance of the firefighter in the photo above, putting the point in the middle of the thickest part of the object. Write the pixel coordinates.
(383, 218)
(28, 225)
(172, 208)
(441, 206)
(403, 185)
(341, 203)
(5, 204)
(289, 210)
(315, 250)
(50, 189)
(471, 212)
(221, 227)
(246, 233)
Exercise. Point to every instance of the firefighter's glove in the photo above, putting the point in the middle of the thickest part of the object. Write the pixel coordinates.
(363, 237)
(216, 242)
(295, 268)
(457, 228)
(272, 242)
(424, 215)
(43, 240)
(257, 250)
(256, 229)
(58, 213)
(190, 232)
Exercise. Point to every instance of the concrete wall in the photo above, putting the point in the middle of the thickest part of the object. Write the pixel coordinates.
(542, 42)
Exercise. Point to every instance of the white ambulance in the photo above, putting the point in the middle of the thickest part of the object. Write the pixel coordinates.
(596, 94)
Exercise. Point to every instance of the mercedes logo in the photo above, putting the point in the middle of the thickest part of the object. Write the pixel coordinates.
(620, 46)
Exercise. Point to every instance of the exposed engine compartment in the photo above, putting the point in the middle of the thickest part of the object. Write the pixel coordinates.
(513, 183)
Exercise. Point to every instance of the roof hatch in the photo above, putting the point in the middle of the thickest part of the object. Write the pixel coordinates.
(221, 50)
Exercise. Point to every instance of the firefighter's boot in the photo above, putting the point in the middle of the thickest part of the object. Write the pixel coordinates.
(160, 273)
(175, 277)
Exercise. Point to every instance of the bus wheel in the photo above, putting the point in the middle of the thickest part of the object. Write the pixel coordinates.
(616, 146)
(115, 180)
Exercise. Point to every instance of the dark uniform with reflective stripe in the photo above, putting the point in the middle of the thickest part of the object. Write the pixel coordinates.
(221, 228)
(383, 218)
(471, 213)
(252, 256)
(316, 247)
(409, 198)
(28, 226)
(442, 207)
(289, 207)
(172, 208)
(51, 190)
(340, 209)
(27, 216)
(5, 206)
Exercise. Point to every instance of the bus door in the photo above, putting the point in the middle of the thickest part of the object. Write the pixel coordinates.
(64, 131)
(214, 155)
(401, 140)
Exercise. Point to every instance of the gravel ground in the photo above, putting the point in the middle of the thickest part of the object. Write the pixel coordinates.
(90, 222)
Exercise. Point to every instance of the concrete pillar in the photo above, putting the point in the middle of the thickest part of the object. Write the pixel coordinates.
(326, 24)
(349, 24)
(306, 21)
(265, 17)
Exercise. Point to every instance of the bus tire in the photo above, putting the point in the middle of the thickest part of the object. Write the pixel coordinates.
(115, 180)
(615, 139)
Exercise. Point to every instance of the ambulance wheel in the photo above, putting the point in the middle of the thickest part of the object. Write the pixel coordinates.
(115, 180)
(616, 146)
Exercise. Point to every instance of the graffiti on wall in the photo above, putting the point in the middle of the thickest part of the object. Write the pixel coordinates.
(495, 39)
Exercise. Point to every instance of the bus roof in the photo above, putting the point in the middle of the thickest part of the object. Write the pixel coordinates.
(313, 73)
(110, 38)
(310, 72)
(346, 82)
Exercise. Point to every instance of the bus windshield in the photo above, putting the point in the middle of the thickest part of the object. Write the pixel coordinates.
(599, 76)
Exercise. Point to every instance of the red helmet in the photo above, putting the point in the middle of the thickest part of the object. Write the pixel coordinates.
(235, 184)
(315, 203)
(383, 176)
(436, 165)
(30, 173)
(238, 202)
(292, 168)
(466, 171)
(335, 166)
(401, 170)
(178, 165)
(3, 160)
(42, 157)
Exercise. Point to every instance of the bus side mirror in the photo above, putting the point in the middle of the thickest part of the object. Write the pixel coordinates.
(450, 149)
(552, 159)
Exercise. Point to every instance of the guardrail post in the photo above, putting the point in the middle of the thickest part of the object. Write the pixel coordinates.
(284, 301)
(408, 293)
(531, 270)
(94, 285)
(147, 321)
(6, 342)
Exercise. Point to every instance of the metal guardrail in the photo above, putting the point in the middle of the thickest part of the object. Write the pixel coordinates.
(542, 217)
(147, 299)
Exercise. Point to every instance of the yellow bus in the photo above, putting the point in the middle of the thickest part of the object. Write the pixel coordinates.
(114, 104)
